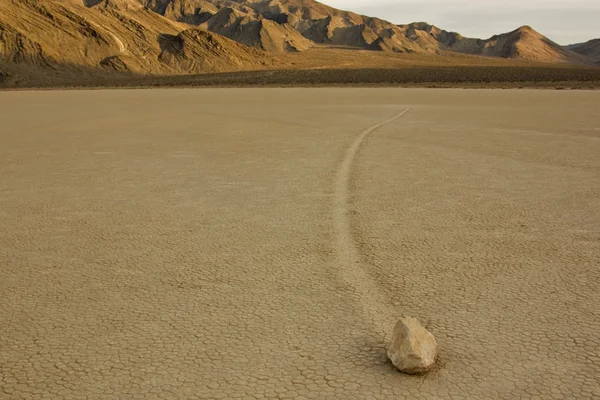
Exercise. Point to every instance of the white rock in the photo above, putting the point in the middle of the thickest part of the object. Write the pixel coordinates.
(412, 348)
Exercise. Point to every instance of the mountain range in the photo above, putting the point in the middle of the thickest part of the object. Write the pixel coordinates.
(589, 49)
(200, 36)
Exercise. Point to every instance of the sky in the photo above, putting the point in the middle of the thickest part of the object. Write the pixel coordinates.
(563, 21)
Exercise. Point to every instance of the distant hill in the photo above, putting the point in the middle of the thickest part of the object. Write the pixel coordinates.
(589, 49)
(523, 43)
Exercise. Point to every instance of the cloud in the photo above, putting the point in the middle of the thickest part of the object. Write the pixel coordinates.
(563, 21)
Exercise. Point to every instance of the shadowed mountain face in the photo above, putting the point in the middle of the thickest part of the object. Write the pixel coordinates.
(286, 25)
(590, 49)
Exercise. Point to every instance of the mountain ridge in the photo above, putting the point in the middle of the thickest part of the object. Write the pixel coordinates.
(523, 43)
(324, 25)
(166, 37)
(590, 49)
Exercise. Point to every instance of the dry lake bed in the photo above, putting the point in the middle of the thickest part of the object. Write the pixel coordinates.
(261, 243)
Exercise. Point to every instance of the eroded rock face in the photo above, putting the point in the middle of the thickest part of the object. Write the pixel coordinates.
(412, 348)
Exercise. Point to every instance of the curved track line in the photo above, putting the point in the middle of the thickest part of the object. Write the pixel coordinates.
(122, 48)
(365, 288)
(119, 42)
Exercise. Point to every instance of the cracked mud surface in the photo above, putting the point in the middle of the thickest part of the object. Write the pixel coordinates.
(260, 243)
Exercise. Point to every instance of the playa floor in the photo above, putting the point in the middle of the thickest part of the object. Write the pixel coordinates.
(261, 243)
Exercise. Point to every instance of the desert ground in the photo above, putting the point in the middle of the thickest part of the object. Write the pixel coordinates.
(261, 243)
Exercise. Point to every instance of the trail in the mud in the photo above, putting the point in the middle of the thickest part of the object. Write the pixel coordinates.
(373, 303)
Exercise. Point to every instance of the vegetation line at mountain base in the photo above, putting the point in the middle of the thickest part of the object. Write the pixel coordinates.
(441, 77)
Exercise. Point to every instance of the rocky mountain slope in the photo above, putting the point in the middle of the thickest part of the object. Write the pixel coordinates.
(117, 35)
(589, 49)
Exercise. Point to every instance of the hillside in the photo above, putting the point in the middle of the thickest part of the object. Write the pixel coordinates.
(590, 49)
(114, 35)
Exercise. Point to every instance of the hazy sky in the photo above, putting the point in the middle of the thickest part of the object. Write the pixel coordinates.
(564, 21)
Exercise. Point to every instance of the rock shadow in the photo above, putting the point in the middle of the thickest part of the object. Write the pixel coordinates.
(170, 43)
(91, 3)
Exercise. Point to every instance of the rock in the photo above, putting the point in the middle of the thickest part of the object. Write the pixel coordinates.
(412, 348)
